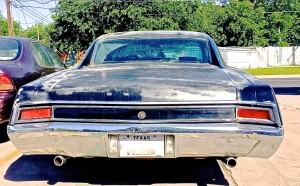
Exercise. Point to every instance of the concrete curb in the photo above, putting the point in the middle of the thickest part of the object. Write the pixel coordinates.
(278, 76)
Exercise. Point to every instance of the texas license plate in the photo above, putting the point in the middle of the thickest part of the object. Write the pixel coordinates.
(141, 146)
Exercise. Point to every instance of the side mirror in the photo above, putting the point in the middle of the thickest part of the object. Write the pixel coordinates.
(69, 63)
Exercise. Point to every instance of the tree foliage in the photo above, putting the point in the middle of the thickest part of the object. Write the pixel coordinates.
(4, 27)
(283, 17)
(244, 25)
(38, 32)
(240, 23)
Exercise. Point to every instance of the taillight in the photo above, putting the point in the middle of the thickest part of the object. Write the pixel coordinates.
(6, 84)
(253, 113)
(36, 113)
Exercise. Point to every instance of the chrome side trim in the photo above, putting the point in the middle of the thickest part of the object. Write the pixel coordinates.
(141, 106)
(182, 121)
(128, 103)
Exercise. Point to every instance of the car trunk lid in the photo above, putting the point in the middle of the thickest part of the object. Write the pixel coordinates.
(143, 82)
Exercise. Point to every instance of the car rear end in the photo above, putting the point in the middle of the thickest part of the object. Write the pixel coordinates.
(10, 51)
(139, 131)
(87, 127)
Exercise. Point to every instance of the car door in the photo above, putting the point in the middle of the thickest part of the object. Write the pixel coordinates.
(42, 59)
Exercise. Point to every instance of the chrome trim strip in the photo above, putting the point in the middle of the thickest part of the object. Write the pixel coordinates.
(149, 128)
(146, 121)
(247, 102)
(254, 121)
(149, 106)
(128, 103)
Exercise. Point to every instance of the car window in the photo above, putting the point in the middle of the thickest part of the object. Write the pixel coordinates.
(36, 56)
(10, 49)
(154, 50)
(55, 59)
(44, 60)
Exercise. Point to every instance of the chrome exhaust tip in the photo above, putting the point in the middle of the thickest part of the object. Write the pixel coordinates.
(230, 162)
(59, 161)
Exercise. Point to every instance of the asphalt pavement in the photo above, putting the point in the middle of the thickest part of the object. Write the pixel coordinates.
(283, 84)
(283, 168)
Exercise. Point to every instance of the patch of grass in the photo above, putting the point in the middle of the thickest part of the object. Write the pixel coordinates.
(274, 71)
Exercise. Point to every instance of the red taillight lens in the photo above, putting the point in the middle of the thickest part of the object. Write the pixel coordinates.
(6, 84)
(37, 113)
(253, 113)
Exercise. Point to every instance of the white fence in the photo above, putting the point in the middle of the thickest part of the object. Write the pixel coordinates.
(254, 57)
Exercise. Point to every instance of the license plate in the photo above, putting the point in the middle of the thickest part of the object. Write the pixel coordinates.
(141, 146)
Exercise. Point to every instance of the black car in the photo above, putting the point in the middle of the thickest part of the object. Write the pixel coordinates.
(158, 94)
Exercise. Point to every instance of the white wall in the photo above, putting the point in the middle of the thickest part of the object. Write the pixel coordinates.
(254, 57)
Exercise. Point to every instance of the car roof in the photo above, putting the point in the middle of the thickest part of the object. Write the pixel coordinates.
(152, 34)
(21, 39)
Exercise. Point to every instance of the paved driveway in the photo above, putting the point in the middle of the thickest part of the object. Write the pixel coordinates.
(284, 167)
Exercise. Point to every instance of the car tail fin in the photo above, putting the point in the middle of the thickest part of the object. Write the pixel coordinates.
(6, 83)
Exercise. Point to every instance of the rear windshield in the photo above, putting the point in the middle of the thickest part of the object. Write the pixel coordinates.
(9, 49)
(153, 50)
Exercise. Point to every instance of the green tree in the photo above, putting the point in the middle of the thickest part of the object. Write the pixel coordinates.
(243, 25)
(283, 17)
(208, 18)
(77, 23)
(87, 20)
(17, 29)
(240, 23)
(37, 32)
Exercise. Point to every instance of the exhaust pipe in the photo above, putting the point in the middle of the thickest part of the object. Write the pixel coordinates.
(230, 162)
(59, 161)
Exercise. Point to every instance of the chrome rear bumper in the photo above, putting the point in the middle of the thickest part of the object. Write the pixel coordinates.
(190, 140)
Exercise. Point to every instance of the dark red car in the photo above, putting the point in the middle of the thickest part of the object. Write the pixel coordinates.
(22, 60)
